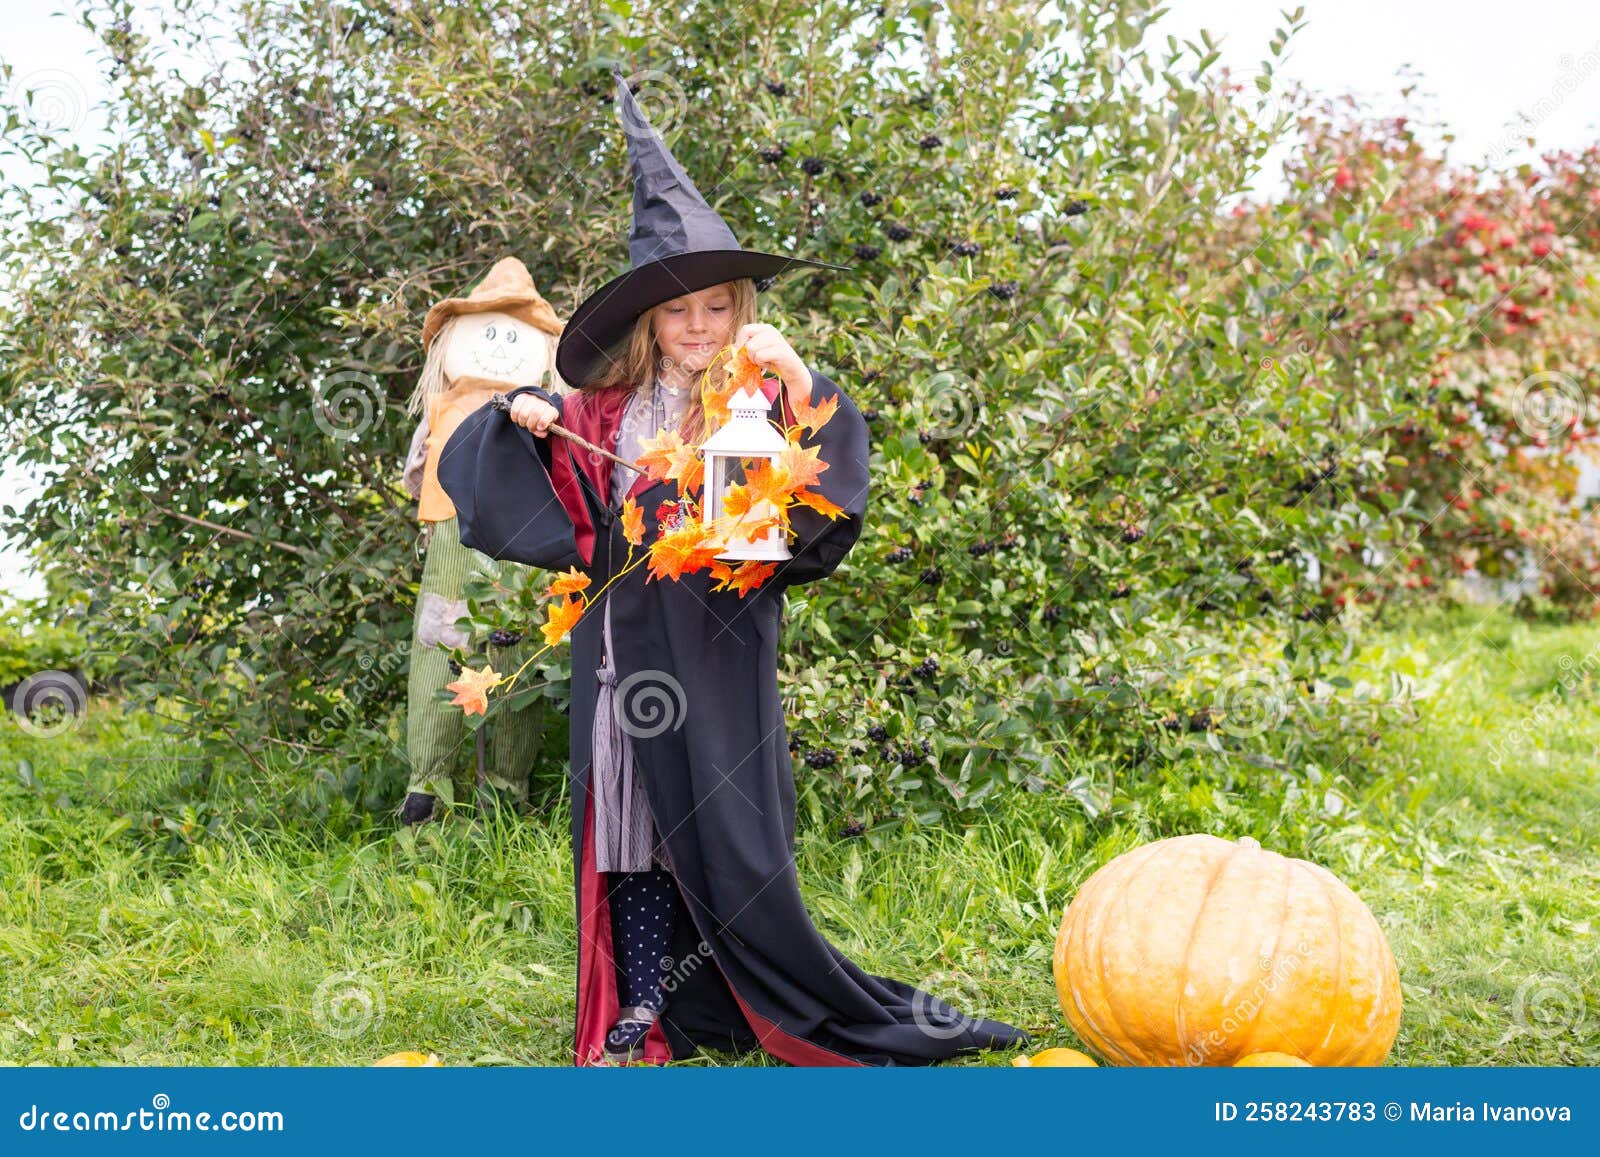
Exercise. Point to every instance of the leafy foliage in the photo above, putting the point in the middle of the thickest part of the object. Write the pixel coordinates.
(1103, 459)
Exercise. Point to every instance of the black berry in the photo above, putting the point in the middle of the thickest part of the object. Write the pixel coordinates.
(813, 166)
(1004, 290)
(868, 199)
(898, 555)
(1075, 208)
(867, 252)
(504, 638)
(878, 734)
(897, 232)
(930, 142)
(932, 576)
(772, 154)
(777, 88)
(966, 248)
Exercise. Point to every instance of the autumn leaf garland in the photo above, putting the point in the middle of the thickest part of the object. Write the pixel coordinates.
(685, 543)
(689, 544)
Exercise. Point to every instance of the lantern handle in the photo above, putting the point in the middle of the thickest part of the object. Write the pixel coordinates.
(503, 404)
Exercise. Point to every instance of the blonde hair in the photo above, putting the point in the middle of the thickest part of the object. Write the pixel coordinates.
(634, 366)
(431, 383)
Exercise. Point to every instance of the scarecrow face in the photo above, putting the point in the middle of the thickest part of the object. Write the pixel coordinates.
(498, 347)
(691, 329)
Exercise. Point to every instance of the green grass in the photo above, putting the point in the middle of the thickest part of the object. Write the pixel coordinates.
(296, 942)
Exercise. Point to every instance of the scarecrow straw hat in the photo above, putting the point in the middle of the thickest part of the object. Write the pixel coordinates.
(507, 288)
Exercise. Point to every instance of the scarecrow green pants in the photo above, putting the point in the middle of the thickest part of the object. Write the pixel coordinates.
(442, 751)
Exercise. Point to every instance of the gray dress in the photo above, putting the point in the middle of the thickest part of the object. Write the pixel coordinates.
(625, 839)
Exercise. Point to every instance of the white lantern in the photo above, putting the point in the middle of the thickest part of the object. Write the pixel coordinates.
(745, 437)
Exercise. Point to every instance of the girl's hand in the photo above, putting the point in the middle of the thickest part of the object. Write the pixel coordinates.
(533, 412)
(765, 346)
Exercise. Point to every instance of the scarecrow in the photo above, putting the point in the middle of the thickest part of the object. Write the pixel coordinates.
(500, 336)
(692, 929)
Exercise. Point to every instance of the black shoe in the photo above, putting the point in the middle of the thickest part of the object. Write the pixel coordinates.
(625, 1041)
(418, 809)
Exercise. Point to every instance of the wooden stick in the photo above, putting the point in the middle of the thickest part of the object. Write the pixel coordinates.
(558, 428)
(501, 403)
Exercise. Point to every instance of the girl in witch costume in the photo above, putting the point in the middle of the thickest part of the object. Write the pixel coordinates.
(692, 930)
(500, 336)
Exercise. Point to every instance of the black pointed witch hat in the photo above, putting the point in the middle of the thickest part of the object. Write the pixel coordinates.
(678, 245)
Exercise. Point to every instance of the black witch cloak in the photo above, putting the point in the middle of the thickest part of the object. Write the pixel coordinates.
(748, 966)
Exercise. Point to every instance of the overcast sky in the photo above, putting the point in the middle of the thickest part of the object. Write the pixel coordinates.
(1478, 66)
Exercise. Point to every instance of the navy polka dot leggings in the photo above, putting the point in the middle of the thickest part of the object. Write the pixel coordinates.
(641, 930)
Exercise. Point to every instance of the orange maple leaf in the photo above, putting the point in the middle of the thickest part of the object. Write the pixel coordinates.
(740, 532)
(802, 463)
(818, 503)
(472, 690)
(563, 617)
(570, 582)
(689, 548)
(687, 468)
(767, 481)
(744, 374)
(659, 454)
(746, 577)
(718, 411)
(814, 417)
(632, 522)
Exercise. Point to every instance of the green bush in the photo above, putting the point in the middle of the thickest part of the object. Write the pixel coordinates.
(29, 644)
(1095, 495)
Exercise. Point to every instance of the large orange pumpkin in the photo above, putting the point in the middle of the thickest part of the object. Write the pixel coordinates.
(1197, 951)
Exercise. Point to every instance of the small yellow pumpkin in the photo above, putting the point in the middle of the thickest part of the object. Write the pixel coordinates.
(409, 1060)
(1271, 1061)
(1056, 1059)
(1197, 951)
